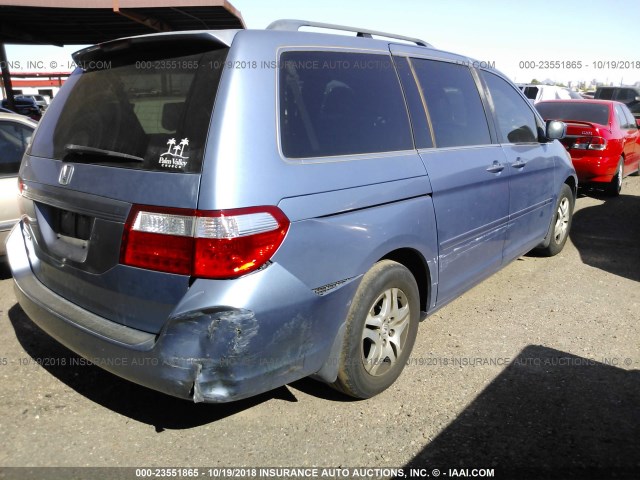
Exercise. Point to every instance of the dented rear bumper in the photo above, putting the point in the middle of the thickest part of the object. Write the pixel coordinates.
(237, 348)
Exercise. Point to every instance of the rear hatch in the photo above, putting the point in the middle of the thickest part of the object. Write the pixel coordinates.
(129, 127)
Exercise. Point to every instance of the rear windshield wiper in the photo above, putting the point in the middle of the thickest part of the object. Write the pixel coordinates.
(81, 151)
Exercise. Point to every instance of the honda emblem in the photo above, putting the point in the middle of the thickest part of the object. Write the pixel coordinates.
(65, 174)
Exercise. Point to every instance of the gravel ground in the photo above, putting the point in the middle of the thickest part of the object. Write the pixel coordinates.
(534, 373)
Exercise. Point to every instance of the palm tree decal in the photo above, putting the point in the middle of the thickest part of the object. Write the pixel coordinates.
(183, 143)
(171, 143)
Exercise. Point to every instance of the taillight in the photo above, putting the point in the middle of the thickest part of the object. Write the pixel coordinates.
(589, 143)
(207, 244)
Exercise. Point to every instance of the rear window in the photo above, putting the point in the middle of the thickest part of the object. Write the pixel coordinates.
(149, 112)
(340, 103)
(578, 111)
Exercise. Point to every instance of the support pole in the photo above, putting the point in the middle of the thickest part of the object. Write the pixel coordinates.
(6, 77)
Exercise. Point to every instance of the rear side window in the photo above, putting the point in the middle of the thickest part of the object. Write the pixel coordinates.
(515, 120)
(631, 122)
(453, 101)
(147, 112)
(415, 101)
(604, 93)
(620, 116)
(14, 138)
(624, 95)
(340, 103)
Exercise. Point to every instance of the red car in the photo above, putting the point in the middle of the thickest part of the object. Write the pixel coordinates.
(602, 138)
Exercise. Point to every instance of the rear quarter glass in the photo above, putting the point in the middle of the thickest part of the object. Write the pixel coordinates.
(341, 103)
(156, 109)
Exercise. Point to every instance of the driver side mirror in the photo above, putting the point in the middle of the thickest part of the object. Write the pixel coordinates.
(556, 130)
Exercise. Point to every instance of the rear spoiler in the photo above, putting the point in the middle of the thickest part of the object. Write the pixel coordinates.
(162, 45)
(595, 126)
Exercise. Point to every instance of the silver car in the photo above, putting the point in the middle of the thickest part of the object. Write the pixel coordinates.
(15, 134)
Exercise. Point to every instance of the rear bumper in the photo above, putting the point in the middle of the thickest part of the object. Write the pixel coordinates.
(5, 228)
(218, 352)
(595, 169)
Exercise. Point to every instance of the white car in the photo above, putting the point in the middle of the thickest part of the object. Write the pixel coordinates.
(539, 93)
(15, 134)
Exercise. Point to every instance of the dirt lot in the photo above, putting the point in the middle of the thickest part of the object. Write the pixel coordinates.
(534, 373)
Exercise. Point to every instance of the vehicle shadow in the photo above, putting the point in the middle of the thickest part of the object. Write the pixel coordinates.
(5, 271)
(319, 389)
(126, 398)
(548, 415)
(607, 236)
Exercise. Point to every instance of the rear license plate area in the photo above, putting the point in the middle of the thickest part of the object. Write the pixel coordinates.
(71, 224)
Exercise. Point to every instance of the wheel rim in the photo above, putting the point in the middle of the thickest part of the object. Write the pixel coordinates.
(385, 331)
(562, 220)
(620, 177)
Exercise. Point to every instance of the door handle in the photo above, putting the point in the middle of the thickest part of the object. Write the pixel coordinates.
(518, 163)
(496, 167)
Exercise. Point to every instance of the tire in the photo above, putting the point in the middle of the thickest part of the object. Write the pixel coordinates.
(374, 351)
(561, 224)
(613, 189)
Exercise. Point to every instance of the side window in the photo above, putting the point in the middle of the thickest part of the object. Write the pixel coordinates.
(340, 103)
(453, 102)
(14, 138)
(631, 121)
(621, 117)
(416, 104)
(515, 121)
(605, 94)
(624, 95)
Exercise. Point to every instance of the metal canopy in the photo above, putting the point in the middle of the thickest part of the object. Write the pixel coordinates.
(63, 22)
(80, 22)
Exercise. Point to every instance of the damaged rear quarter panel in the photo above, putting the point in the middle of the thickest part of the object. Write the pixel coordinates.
(269, 331)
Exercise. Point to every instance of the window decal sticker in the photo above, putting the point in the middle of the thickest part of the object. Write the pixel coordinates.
(175, 157)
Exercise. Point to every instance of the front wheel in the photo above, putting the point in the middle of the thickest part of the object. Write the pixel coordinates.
(381, 329)
(561, 223)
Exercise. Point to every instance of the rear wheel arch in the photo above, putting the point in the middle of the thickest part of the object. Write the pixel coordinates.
(417, 265)
(380, 330)
(614, 187)
(573, 185)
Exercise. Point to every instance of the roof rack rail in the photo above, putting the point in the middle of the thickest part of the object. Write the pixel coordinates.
(295, 25)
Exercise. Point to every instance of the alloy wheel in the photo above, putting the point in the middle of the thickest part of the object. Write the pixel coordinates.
(385, 331)
(562, 220)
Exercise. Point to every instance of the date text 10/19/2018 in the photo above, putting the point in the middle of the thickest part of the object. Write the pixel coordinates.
(310, 472)
(579, 65)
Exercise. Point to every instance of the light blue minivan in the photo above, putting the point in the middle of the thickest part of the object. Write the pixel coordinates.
(215, 214)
